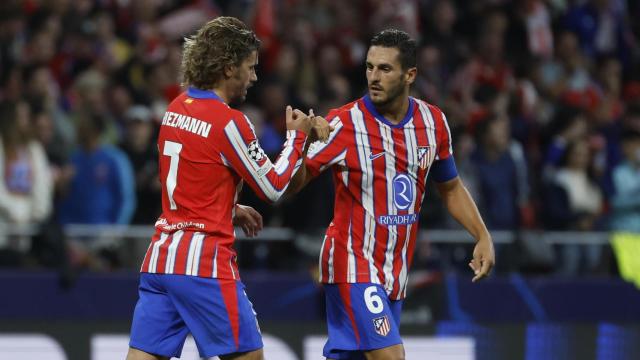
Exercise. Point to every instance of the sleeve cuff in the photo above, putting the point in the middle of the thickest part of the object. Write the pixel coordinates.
(444, 170)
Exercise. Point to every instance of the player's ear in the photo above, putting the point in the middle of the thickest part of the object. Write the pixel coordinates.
(410, 75)
(229, 70)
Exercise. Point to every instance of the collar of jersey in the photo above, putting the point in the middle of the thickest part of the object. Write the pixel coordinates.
(377, 115)
(202, 94)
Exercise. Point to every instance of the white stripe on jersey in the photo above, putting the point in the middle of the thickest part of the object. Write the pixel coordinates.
(283, 162)
(193, 258)
(171, 251)
(318, 146)
(413, 167)
(446, 125)
(363, 146)
(330, 262)
(351, 259)
(153, 263)
(390, 158)
(431, 133)
(225, 161)
(215, 262)
(240, 147)
(320, 258)
(231, 267)
(337, 160)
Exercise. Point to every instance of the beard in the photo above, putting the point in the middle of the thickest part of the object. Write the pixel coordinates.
(240, 95)
(392, 94)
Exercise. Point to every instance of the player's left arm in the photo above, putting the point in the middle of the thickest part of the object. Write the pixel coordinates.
(457, 199)
(461, 206)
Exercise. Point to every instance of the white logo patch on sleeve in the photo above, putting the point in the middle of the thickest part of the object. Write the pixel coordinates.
(255, 152)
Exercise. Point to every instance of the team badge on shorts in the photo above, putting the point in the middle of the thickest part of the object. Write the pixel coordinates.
(255, 151)
(382, 325)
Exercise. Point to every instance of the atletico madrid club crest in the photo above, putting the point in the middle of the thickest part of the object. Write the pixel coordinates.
(424, 154)
(382, 325)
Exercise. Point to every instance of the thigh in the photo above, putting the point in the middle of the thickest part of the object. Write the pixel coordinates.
(394, 352)
(135, 354)
(157, 327)
(218, 313)
(252, 355)
(360, 317)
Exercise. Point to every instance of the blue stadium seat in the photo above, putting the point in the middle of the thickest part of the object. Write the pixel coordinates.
(618, 342)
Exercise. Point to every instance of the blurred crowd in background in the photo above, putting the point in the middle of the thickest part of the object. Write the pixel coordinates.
(542, 97)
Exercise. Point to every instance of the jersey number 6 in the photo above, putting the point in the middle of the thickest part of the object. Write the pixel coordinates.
(374, 302)
(172, 149)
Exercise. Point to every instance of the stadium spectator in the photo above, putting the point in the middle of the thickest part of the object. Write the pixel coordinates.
(26, 184)
(502, 174)
(626, 180)
(102, 188)
(601, 27)
(578, 204)
(569, 125)
(138, 146)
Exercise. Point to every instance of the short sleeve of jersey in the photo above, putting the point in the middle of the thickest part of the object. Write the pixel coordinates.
(443, 134)
(444, 167)
(321, 156)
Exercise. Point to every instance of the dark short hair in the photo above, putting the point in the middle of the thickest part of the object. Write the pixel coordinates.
(223, 41)
(394, 38)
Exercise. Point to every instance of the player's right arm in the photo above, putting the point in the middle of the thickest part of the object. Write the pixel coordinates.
(242, 152)
(320, 155)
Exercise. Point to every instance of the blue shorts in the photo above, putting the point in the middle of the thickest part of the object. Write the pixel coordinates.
(216, 312)
(360, 317)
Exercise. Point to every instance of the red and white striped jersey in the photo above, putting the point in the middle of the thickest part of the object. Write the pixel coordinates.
(379, 171)
(206, 151)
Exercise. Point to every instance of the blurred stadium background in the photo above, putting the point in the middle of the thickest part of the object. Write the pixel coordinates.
(543, 98)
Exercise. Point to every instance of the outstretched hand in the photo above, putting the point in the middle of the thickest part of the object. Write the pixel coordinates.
(248, 219)
(321, 128)
(298, 120)
(483, 259)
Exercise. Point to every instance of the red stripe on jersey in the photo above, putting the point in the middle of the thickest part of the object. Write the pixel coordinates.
(230, 297)
(206, 257)
(412, 247)
(182, 252)
(162, 255)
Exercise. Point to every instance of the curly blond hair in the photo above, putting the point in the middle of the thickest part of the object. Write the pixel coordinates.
(223, 41)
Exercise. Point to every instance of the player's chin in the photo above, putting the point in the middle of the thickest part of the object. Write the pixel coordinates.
(377, 97)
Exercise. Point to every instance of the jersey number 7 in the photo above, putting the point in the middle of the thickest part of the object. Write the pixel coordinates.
(172, 149)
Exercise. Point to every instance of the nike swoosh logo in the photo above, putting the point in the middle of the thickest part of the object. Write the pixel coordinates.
(373, 156)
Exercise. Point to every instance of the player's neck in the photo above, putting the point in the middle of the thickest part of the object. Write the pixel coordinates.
(395, 110)
(222, 93)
